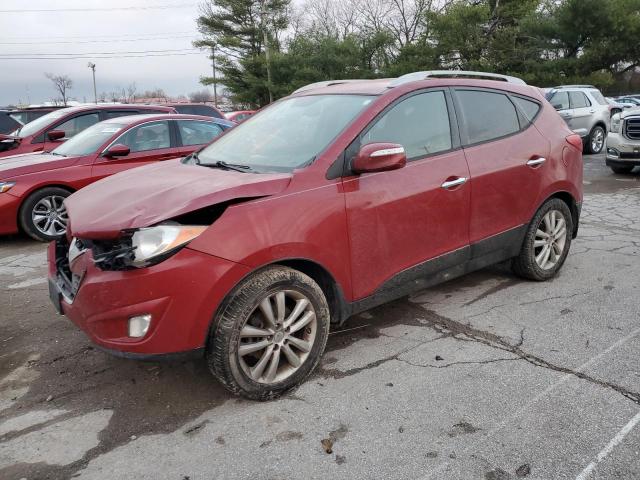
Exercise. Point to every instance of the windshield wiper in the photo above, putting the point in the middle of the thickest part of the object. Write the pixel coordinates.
(228, 166)
(44, 152)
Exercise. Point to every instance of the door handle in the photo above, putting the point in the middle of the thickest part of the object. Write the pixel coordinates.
(536, 161)
(454, 183)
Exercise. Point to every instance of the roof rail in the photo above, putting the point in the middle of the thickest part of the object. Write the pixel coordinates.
(415, 76)
(573, 86)
(326, 83)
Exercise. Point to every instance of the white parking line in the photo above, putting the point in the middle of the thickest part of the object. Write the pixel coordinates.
(492, 431)
(586, 473)
(28, 283)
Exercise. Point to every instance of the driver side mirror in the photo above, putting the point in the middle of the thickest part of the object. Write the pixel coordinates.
(117, 150)
(379, 157)
(557, 106)
(55, 135)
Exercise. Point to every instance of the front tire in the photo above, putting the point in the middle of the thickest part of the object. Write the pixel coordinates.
(546, 243)
(269, 334)
(43, 215)
(596, 140)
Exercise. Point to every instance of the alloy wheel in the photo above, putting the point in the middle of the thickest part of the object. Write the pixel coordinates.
(49, 216)
(597, 140)
(550, 239)
(277, 337)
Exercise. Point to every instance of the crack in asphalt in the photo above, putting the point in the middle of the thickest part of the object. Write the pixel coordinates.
(449, 328)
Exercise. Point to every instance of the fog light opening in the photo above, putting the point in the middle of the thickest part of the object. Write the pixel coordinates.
(612, 152)
(139, 325)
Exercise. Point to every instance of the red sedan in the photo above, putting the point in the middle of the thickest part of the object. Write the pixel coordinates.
(49, 131)
(34, 186)
(338, 198)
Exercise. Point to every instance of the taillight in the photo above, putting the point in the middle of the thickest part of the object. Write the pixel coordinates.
(575, 141)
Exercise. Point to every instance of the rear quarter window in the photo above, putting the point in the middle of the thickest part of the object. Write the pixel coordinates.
(528, 108)
(486, 115)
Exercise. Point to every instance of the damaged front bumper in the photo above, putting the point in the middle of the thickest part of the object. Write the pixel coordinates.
(180, 294)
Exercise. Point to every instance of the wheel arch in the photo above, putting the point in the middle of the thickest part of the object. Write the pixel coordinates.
(573, 205)
(26, 195)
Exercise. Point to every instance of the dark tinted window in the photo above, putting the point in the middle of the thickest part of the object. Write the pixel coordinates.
(578, 100)
(420, 124)
(204, 110)
(121, 113)
(77, 124)
(7, 124)
(487, 115)
(194, 132)
(529, 108)
(560, 100)
(148, 136)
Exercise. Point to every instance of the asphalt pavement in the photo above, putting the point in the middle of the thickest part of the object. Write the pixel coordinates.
(485, 377)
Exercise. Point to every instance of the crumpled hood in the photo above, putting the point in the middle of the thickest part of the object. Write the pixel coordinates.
(145, 196)
(24, 163)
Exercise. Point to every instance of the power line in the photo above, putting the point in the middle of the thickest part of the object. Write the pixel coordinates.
(99, 9)
(93, 57)
(45, 42)
(118, 35)
(62, 55)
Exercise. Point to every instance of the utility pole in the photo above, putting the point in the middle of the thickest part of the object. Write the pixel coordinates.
(263, 24)
(92, 66)
(215, 82)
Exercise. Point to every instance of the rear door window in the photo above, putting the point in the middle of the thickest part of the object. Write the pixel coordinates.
(419, 123)
(528, 108)
(194, 132)
(486, 115)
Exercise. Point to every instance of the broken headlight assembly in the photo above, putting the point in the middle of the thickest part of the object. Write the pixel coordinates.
(144, 247)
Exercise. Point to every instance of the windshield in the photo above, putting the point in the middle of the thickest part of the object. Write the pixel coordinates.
(89, 140)
(39, 123)
(287, 135)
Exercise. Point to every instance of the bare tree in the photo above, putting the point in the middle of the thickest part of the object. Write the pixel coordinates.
(131, 93)
(200, 96)
(62, 84)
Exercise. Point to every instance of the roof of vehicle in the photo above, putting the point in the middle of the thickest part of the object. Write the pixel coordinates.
(134, 119)
(123, 106)
(381, 86)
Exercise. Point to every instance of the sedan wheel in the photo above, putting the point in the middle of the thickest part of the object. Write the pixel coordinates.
(49, 216)
(269, 333)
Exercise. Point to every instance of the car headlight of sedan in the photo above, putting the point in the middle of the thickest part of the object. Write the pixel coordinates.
(616, 121)
(145, 246)
(6, 186)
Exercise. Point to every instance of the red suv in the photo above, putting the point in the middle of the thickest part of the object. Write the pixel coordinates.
(33, 186)
(48, 131)
(338, 198)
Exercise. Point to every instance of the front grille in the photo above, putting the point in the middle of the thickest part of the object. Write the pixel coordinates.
(630, 155)
(632, 128)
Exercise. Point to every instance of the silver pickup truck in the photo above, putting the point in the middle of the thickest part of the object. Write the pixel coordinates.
(623, 142)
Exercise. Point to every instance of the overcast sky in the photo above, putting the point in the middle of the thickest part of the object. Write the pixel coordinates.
(122, 26)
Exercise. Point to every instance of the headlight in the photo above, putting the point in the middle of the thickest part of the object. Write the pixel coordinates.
(143, 247)
(615, 123)
(6, 186)
(154, 243)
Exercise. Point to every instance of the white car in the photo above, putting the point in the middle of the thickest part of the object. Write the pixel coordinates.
(623, 141)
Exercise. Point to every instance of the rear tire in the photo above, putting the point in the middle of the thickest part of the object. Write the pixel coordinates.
(42, 215)
(622, 170)
(596, 140)
(543, 252)
(259, 347)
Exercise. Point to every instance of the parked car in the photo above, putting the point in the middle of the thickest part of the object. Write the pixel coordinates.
(197, 109)
(623, 142)
(239, 115)
(29, 114)
(33, 186)
(338, 198)
(50, 130)
(615, 107)
(628, 102)
(7, 122)
(585, 110)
